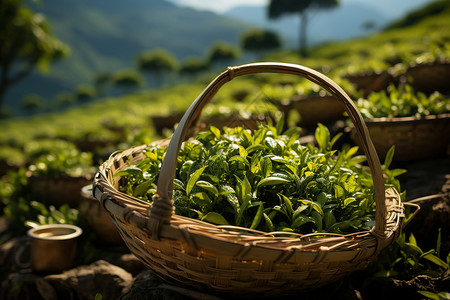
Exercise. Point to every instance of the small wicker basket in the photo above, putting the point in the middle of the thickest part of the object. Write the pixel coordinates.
(238, 261)
(413, 137)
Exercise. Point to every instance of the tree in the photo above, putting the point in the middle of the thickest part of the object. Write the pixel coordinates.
(85, 92)
(260, 41)
(102, 81)
(193, 65)
(278, 8)
(127, 79)
(33, 103)
(222, 53)
(160, 62)
(26, 42)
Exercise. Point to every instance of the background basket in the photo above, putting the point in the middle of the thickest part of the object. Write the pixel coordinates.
(231, 260)
(414, 138)
(314, 109)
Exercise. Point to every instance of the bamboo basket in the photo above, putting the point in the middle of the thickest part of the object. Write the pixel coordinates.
(315, 109)
(228, 260)
(413, 137)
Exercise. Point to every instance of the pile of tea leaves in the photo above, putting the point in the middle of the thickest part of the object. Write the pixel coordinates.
(266, 180)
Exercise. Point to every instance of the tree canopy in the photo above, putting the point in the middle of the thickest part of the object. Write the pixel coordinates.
(26, 42)
(279, 8)
(259, 40)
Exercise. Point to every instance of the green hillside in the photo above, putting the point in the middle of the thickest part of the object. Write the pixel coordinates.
(105, 36)
(426, 40)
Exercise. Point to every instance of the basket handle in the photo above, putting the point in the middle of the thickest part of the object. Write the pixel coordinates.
(162, 207)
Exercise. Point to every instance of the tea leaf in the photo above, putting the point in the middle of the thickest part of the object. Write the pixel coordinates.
(142, 188)
(269, 223)
(193, 179)
(299, 210)
(329, 219)
(244, 191)
(242, 151)
(389, 157)
(431, 295)
(272, 180)
(208, 186)
(215, 131)
(434, 259)
(317, 220)
(178, 184)
(215, 218)
(201, 199)
(300, 221)
(288, 204)
(258, 217)
(130, 171)
(322, 135)
(280, 124)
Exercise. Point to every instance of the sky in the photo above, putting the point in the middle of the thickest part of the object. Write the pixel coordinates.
(221, 6)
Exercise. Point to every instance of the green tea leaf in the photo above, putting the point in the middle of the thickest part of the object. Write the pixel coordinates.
(208, 186)
(215, 131)
(142, 188)
(272, 180)
(269, 224)
(299, 210)
(317, 220)
(266, 166)
(321, 199)
(335, 139)
(300, 221)
(258, 217)
(280, 124)
(339, 192)
(288, 204)
(322, 135)
(259, 136)
(40, 207)
(130, 171)
(349, 201)
(389, 157)
(329, 219)
(244, 191)
(193, 179)
(201, 199)
(434, 259)
(178, 184)
(215, 218)
(242, 151)
(438, 242)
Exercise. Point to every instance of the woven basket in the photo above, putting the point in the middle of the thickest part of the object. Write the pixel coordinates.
(236, 261)
(414, 138)
(430, 77)
(315, 109)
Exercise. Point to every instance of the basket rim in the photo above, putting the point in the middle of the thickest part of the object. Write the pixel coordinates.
(409, 119)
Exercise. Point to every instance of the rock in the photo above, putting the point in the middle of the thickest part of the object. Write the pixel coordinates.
(388, 288)
(149, 286)
(85, 282)
(433, 216)
(14, 256)
(20, 286)
(145, 287)
(129, 262)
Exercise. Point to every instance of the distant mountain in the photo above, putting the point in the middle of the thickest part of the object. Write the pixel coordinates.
(106, 35)
(343, 22)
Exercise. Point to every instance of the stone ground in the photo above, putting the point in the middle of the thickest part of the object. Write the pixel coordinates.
(116, 274)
